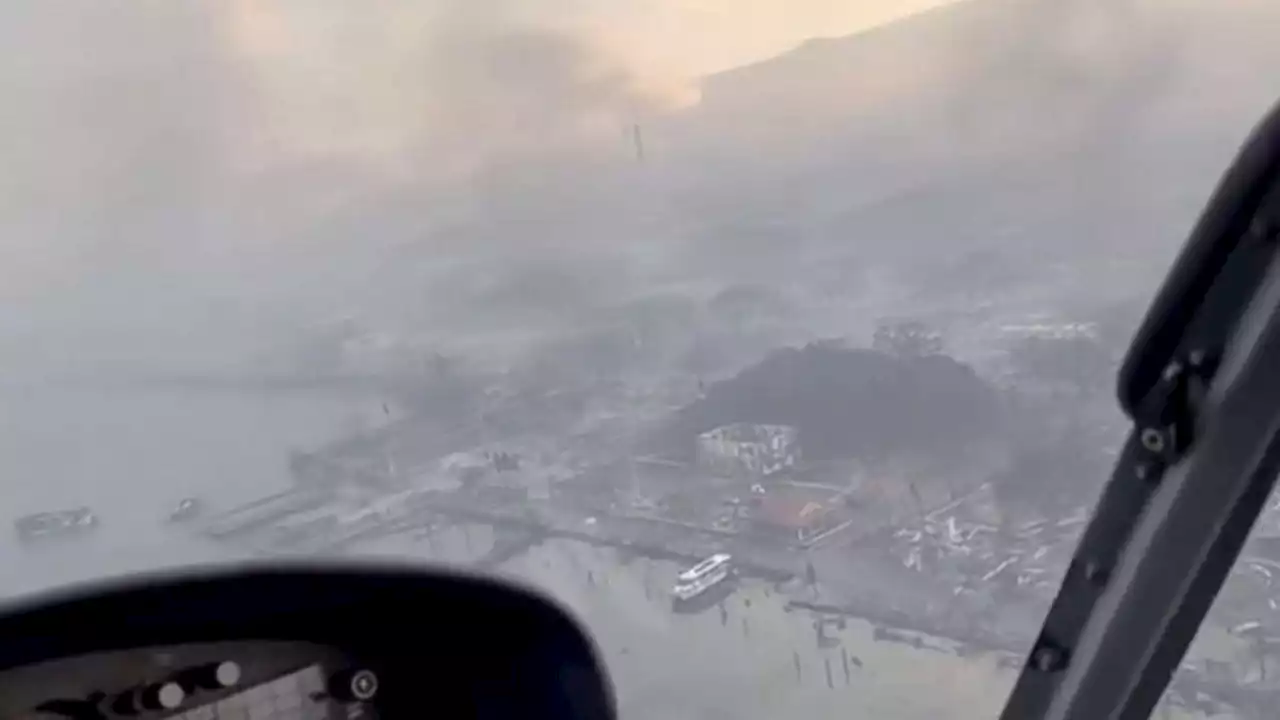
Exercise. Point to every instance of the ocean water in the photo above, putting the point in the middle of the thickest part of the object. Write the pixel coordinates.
(734, 661)
(131, 454)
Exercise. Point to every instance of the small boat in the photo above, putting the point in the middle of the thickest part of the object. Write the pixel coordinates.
(697, 582)
(56, 523)
(186, 509)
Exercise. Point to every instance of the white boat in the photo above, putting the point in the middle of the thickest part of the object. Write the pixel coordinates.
(56, 523)
(702, 577)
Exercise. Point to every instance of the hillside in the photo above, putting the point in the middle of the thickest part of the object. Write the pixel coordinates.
(1044, 131)
(1038, 155)
(978, 76)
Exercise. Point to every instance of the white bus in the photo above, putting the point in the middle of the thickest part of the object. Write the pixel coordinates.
(702, 577)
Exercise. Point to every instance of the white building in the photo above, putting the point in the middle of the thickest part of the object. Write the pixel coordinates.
(748, 449)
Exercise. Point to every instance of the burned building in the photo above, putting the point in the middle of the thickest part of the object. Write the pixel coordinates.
(978, 548)
(752, 450)
(799, 515)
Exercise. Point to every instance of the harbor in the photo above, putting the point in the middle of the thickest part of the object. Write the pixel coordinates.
(849, 572)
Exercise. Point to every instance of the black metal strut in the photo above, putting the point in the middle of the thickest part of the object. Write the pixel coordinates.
(1202, 386)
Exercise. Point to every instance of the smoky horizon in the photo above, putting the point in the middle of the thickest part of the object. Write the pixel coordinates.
(776, 340)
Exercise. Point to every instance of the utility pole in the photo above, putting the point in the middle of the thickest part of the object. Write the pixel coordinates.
(638, 140)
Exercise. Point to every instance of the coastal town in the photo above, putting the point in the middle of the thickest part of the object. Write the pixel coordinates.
(869, 482)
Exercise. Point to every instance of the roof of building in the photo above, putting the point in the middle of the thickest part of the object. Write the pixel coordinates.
(793, 508)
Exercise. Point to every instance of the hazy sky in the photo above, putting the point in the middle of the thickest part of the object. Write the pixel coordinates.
(689, 37)
(154, 149)
(367, 76)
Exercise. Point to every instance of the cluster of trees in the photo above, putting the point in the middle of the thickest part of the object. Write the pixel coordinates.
(851, 403)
